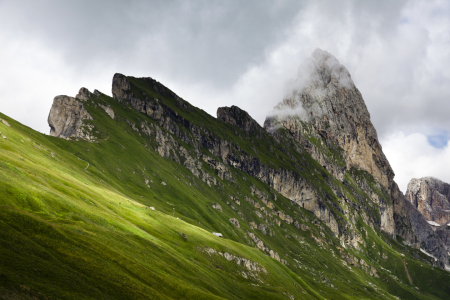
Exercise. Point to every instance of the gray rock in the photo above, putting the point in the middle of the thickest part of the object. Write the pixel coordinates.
(120, 86)
(235, 222)
(338, 119)
(431, 197)
(444, 234)
(83, 94)
(108, 110)
(4, 122)
(429, 240)
(235, 116)
(66, 118)
(217, 206)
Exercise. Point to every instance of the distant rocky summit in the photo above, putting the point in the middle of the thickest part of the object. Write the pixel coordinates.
(431, 197)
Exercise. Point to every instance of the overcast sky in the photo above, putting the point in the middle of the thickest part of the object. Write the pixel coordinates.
(223, 53)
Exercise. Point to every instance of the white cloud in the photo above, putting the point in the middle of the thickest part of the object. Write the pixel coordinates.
(412, 156)
(32, 74)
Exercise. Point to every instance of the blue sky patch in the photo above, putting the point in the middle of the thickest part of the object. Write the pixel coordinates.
(439, 140)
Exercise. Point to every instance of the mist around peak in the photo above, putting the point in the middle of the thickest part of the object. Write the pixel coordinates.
(318, 77)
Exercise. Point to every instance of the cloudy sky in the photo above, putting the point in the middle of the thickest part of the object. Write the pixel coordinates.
(223, 53)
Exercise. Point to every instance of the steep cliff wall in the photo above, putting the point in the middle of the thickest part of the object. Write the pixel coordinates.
(325, 112)
(325, 96)
(324, 109)
(431, 197)
(67, 115)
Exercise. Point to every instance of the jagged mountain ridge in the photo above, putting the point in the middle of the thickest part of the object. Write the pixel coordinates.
(148, 147)
(343, 121)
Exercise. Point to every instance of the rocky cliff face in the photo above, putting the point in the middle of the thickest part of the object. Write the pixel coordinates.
(325, 112)
(431, 197)
(67, 115)
(444, 233)
(235, 116)
(325, 97)
(428, 238)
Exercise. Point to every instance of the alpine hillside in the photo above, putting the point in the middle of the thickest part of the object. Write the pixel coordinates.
(128, 196)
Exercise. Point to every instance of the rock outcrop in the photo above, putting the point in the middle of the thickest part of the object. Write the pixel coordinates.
(431, 197)
(429, 240)
(444, 234)
(67, 115)
(235, 116)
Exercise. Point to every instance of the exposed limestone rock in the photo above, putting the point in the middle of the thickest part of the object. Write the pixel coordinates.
(120, 86)
(235, 116)
(262, 196)
(4, 122)
(223, 171)
(444, 234)
(427, 237)
(235, 222)
(83, 94)
(301, 226)
(66, 118)
(217, 206)
(248, 264)
(327, 115)
(108, 110)
(260, 245)
(431, 197)
(274, 255)
(263, 228)
(285, 182)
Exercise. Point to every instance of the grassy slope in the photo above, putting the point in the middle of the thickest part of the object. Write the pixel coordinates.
(71, 232)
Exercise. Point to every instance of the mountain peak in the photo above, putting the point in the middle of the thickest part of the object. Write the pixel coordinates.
(235, 116)
(431, 197)
(328, 70)
(324, 96)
